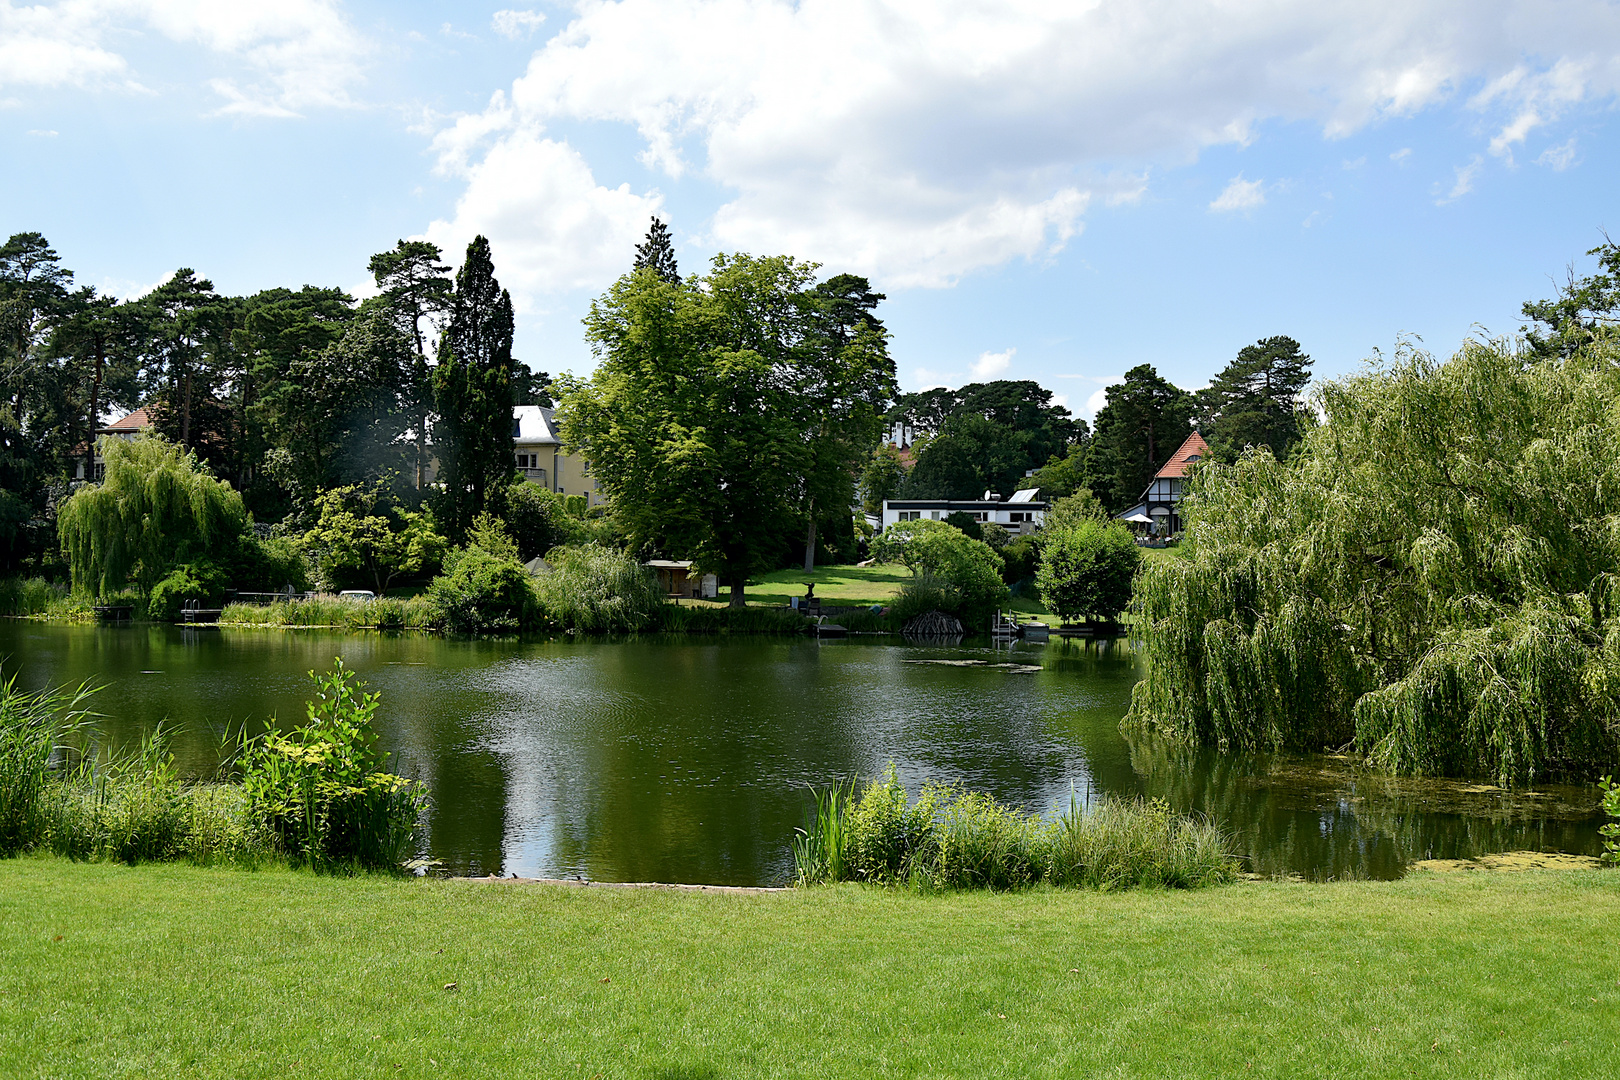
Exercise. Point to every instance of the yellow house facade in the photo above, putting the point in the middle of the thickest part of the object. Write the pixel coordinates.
(540, 458)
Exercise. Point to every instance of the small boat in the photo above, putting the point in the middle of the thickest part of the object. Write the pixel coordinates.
(1036, 632)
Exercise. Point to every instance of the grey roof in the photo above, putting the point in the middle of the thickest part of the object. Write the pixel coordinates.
(533, 424)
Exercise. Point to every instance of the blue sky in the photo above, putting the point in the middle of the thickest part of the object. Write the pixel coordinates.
(1045, 191)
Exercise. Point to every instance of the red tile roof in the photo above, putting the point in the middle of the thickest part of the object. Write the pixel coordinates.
(135, 421)
(1194, 449)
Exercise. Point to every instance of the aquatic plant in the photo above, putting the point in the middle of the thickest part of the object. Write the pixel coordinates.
(33, 725)
(320, 789)
(1611, 829)
(482, 593)
(36, 596)
(383, 613)
(950, 838)
(598, 590)
(1432, 577)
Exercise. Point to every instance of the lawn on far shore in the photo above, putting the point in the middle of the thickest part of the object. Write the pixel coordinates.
(854, 586)
(160, 971)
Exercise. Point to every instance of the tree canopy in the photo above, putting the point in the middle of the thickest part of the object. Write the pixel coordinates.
(1144, 422)
(984, 436)
(1255, 400)
(1432, 577)
(713, 417)
(657, 253)
(157, 508)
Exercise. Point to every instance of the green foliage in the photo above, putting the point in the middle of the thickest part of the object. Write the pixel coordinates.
(200, 582)
(319, 789)
(363, 534)
(1583, 311)
(157, 508)
(1144, 422)
(1430, 577)
(1086, 569)
(1020, 559)
(384, 613)
(920, 595)
(600, 591)
(32, 726)
(1610, 830)
(1063, 476)
(657, 253)
(969, 568)
(1255, 400)
(726, 410)
(985, 435)
(950, 838)
(538, 518)
(963, 522)
(1073, 509)
(708, 619)
(882, 478)
(35, 596)
(481, 592)
(472, 387)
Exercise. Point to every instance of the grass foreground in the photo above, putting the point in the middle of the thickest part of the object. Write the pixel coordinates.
(170, 970)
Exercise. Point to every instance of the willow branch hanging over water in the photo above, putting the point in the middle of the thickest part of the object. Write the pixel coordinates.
(1433, 576)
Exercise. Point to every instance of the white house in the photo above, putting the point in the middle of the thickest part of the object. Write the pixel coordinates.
(1024, 512)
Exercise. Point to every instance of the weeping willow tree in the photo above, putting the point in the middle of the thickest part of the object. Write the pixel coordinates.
(157, 508)
(1433, 578)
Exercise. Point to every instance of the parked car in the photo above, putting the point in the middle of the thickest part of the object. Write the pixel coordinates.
(357, 594)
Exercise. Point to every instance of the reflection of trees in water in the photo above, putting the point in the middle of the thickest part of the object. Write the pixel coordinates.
(1322, 817)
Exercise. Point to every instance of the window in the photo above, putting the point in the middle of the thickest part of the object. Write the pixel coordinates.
(909, 515)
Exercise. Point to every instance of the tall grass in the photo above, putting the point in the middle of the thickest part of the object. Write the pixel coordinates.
(32, 727)
(949, 838)
(384, 613)
(36, 596)
(597, 590)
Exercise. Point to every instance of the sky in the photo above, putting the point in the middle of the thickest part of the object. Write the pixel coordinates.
(1043, 190)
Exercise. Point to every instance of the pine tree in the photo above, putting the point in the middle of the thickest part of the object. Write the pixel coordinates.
(1255, 400)
(658, 253)
(473, 388)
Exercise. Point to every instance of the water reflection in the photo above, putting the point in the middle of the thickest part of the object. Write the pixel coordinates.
(690, 760)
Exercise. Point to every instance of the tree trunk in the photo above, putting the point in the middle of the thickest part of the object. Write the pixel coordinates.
(810, 548)
(185, 414)
(738, 583)
(95, 413)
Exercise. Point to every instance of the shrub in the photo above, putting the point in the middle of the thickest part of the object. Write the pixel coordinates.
(1611, 829)
(201, 582)
(1086, 569)
(364, 536)
(384, 613)
(1020, 559)
(957, 839)
(36, 596)
(320, 791)
(597, 590)
(919, 596)
(32, 723)
(964, 523)
(481, 593)
(932, 548)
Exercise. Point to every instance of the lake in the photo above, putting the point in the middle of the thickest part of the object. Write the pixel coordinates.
(692, 759)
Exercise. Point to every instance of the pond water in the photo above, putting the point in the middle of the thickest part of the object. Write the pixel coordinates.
(691, 759)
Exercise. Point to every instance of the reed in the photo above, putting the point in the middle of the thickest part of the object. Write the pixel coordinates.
(706, 619)
(36, 596)
(951, 838)
(33, 726)
(596, 590)
(384, 613)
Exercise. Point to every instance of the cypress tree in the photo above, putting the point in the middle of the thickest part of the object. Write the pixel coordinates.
(472, 385)
(658, 253)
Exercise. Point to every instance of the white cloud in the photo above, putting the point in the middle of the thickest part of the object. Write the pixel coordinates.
(1464, 181)
(1399, 157)
(279, 57)
(918, 143)
(990, 365)
(551, 226)
(516, 24)
(43, 134)
(1096, 401)
(1240, 194)
(1558, 158)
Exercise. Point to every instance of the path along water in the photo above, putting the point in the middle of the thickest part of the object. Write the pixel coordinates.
(691, 759)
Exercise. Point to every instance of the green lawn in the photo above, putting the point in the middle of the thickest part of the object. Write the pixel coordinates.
(852, 585)
(175, 971)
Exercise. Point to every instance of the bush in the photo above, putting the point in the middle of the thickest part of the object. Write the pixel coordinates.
(600, 591)
(969, 567)
(320, 791)
(919, 596)
(1610, 830)
(365, 536)
(32, 723)
(384, 613)
(964, 523)
(1020, 559)
(202, 583)
(1086, 569)
(481, 593)
(956, 839)
(36, 596)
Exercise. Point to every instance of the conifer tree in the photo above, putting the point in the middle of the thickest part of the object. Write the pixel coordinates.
(472, 385)
(658, 253)
(1255, 400)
